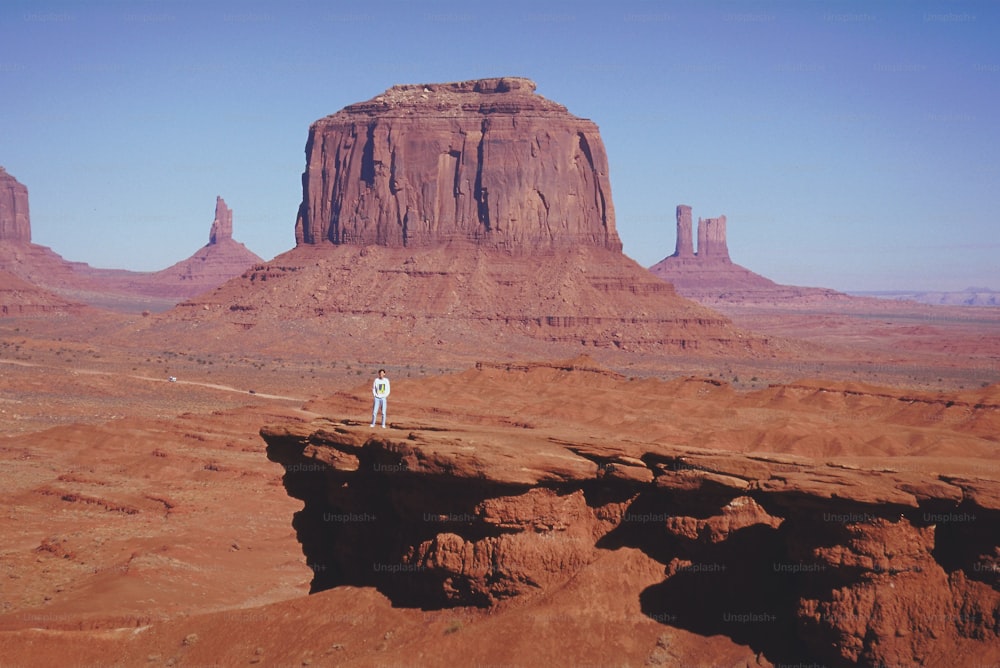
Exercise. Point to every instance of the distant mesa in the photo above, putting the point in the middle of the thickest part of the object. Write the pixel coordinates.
(15, 222)
(486, 161)
(116, 289)
(710, 277)
(972, 296)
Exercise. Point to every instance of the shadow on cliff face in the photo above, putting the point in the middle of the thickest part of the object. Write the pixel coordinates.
(737, 587)
(381, 528)
(795, 577)
(966, 540)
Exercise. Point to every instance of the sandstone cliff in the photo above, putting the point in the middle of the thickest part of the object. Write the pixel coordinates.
(15, 225)
(777, 518)
(485, 161)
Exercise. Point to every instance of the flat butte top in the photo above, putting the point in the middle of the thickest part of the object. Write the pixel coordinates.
(499, 95)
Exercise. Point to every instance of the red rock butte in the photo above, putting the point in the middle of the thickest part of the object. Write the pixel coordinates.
(487, 161)
(456, 217)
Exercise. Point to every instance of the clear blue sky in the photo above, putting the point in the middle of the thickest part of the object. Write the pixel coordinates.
(851, 145)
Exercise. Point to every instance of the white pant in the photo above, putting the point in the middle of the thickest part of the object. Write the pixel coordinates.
(379, 401)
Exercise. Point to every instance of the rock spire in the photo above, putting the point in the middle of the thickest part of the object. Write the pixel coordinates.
(685, 243)
(710, 277)
(222, 226)
(711, 237)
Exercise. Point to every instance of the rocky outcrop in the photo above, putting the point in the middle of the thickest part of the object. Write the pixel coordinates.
(459, 217)
(685, 242)
(801, 558)
(485, 161)
(15, 222)
(797, 559)
(712, 243)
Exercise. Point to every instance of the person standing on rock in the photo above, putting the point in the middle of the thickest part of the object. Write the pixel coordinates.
(380, 390)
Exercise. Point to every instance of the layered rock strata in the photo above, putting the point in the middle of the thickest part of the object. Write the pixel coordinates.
(485, 161)
(396, 303)
(20, 298)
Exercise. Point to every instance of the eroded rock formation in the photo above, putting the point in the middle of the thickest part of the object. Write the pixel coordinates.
(685, 241)
(392, 302)
(459, 217)
(485, 161)
(710, 277)
(215, 263)
(122, 290)
(15, 221)
(222, 226)
(712, 243)
(801, 559)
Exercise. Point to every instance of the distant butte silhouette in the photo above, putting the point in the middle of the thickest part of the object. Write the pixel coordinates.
(710, 277)
(116, 289)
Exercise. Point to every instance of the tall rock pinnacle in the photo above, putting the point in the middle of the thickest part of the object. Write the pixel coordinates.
(222, 226)
(487, 161)
(15, 222)
(685, 243)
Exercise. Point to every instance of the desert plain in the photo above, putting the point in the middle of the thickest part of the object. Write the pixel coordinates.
(144, 523)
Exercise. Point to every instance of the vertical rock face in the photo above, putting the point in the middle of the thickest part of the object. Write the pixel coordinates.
(222, 226)
(487, 161)
(685, 243)
(712, 238)
(15, 223)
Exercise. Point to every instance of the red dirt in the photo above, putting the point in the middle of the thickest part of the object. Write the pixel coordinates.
(145, 523)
